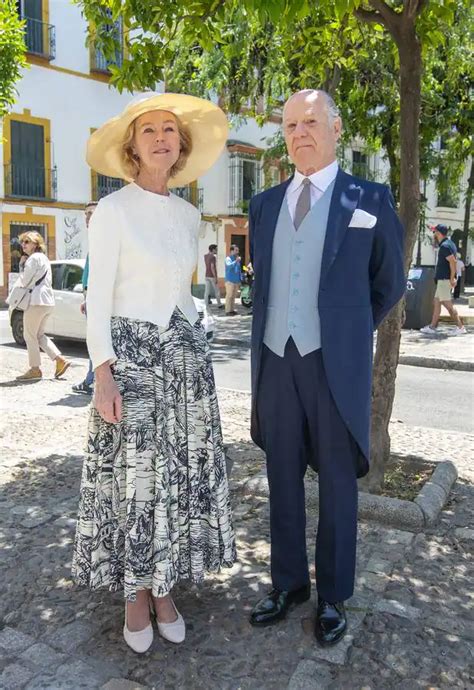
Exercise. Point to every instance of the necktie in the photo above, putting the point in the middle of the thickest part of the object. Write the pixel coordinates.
(303, 204)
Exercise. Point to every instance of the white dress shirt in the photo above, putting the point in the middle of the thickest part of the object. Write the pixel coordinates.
(143, 249)
(34, 268)
(320, 181)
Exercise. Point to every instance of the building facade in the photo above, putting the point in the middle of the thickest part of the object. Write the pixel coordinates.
(63, 96)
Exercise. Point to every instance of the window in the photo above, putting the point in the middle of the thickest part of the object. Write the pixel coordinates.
(28, 172)
(245, 173)
(72, 276)
(57, 274)
(191, 193)
(102, 185)
(360, 164)
(16, 229)
(40, 37)
(99, 63)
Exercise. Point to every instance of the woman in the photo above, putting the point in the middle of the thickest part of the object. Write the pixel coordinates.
(154, 505)
(35, 272)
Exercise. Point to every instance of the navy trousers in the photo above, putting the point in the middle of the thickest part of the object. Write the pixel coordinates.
(301, 425)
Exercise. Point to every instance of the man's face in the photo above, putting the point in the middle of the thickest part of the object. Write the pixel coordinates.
(310, 136)
(89, 212)
(439, 237)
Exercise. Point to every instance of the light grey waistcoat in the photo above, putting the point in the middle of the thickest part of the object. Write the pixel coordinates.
(294, 281)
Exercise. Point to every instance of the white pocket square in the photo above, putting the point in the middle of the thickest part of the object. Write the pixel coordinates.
(362, 219)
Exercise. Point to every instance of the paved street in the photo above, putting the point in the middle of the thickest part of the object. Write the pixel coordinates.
(424, 397)
(411, 619)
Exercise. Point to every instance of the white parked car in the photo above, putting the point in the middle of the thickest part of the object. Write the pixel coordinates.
(66, 321)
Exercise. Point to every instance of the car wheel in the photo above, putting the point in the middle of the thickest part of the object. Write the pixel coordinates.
(17, 327)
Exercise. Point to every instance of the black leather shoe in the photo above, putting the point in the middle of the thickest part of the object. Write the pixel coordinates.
(275, 605)
(331, 622)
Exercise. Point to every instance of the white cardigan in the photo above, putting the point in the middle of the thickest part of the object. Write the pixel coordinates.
(143, 250)
(34, 268)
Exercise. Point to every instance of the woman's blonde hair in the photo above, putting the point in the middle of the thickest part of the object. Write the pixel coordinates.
(36, 238)
(131, 161)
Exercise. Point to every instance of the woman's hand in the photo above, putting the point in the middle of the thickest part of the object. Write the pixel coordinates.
(107, 398)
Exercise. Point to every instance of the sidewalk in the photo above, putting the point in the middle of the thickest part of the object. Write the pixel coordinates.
(411, 622)
(443, 351)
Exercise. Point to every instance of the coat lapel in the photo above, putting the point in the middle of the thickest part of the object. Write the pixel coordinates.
(344, 201)
(270, 212)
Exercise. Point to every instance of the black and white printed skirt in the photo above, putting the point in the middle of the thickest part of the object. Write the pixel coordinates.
(154, 501)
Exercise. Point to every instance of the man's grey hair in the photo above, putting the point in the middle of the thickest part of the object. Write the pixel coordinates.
(333, 110)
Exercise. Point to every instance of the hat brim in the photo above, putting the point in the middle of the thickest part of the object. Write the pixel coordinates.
(205, 120)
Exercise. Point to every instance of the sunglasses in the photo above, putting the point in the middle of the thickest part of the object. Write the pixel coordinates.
(25, 242)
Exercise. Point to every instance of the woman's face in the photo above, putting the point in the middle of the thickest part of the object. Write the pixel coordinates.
(28, 246)
(156, 140)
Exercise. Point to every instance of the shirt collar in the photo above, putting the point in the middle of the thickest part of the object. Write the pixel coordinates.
(321, 179)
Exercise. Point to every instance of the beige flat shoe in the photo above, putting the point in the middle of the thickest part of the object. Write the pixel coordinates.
(141, 640)
(61, 366)
(173, 632)
(33, 374)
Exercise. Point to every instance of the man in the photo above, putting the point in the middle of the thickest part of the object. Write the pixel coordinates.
(232, 279)
(85, 386)
(327, 250)
(445, 278)
(211, 277)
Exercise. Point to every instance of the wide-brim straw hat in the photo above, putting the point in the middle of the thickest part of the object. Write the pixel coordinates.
(205, 120)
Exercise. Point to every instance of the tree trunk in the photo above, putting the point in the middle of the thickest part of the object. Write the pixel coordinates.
(467, 214)
(388, 144)
(388, 337)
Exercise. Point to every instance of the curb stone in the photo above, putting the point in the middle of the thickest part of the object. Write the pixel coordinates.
(411, 515)
(436, 363)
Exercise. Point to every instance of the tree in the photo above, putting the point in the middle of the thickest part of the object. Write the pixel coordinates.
(12, 53)
(267, 48)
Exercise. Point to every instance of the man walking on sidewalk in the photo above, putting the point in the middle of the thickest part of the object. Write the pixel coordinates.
(445, 278)
(232, 279)
(211, 289)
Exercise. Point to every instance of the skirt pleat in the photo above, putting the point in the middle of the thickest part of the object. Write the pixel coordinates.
(154, 503)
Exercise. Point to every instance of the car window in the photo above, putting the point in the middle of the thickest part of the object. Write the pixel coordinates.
(71, 277)
(57, 271)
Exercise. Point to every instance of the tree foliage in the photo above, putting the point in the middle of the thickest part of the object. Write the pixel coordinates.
(12, 53)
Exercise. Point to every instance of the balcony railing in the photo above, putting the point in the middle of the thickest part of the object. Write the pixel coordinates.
(40, 38)
(103, 186)
(30, 182)
(195, 195)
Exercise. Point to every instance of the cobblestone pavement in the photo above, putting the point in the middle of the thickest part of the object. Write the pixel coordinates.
(411, 619)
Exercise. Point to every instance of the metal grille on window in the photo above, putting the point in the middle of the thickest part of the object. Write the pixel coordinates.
(244, 181)
(16, 229)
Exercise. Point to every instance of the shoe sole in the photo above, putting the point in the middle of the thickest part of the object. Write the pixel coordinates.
(280, 616)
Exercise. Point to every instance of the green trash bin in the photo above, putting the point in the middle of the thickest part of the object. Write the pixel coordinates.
(419, 295)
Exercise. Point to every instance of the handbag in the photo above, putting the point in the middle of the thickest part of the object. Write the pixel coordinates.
(20, 297)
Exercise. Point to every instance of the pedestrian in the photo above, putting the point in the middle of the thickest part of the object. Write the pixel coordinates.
(445, 278)
(85, 386)
(327, 250)
(154, 500)
(460, 268)
(232, 279)
(35, 273)
(211, 287)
